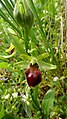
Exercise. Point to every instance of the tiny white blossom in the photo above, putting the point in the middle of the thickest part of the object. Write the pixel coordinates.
(55, 78)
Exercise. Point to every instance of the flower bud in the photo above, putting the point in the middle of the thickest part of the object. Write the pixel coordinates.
(23, 14)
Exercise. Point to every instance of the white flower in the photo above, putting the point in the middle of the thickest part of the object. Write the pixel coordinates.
(55, 78)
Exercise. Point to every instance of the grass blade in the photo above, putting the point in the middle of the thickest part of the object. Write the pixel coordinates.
(8, 21)
(9, 11)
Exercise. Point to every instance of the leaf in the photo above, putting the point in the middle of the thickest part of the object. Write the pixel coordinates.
(46, 66)
(27, 109)
(8, 116)
(3, 64)
(47, 101)
(49, 94)
(1, 111)
(11, 31)
(44, 55)
(22, 64)
(18, 45)
(2, 14)
(25, 56)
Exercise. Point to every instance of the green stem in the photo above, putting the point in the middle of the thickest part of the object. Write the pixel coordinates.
(26, 39)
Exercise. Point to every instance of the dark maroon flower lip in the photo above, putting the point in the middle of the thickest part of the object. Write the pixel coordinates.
(33, 76)
(11, 51)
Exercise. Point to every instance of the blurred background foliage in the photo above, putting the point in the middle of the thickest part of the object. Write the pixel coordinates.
(46, 44)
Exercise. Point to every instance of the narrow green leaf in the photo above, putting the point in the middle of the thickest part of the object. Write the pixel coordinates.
(47, 101)
(6, 7)
(22, 64)
(25, 56)
(18, 45)
(43, 33)
(7, 3)
(46, 66)
(49, 94)
(33, 36)
(9, 10)
(1, 111)
(8, 21)
(12, 3)
(44, 55)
